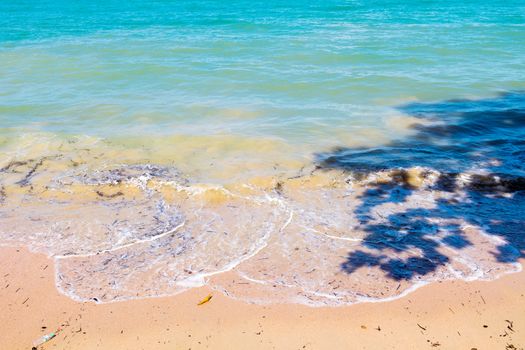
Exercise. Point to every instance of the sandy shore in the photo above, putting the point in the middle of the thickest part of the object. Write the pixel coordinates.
(448, 315)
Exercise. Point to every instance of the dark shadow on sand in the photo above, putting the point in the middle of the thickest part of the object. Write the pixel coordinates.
(453, 137)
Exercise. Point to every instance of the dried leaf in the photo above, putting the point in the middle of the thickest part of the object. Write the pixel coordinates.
(205, 300)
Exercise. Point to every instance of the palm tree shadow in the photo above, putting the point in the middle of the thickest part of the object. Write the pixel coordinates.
(484, 138)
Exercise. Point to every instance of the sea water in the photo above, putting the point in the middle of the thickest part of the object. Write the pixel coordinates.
(323, 153)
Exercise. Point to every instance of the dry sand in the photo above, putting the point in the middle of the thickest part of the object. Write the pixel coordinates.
(449, 315)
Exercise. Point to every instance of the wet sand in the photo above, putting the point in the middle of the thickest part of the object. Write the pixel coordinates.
(447, 315)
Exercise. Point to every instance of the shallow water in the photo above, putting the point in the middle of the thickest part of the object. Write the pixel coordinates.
(323, 154)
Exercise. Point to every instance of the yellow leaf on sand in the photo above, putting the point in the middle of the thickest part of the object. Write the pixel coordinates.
(205, 300)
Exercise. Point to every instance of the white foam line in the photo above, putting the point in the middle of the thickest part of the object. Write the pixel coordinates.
(287, 222)
(404, 293)
(414, 287)
(332, 236)
(199, 279)
(244, 276)
(202, 188)
(192, 190)
(343, 238)
(236, 263)
(121, 299)
(151, 239)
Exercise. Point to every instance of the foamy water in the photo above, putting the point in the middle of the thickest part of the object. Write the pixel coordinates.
(323, 154)
(318, 238)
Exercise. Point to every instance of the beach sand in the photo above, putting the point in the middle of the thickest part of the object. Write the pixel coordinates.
(447, 315)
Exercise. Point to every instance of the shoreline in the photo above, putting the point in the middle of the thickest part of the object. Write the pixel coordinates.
(443, 315)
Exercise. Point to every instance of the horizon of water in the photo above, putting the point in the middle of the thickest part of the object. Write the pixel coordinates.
(307, 150)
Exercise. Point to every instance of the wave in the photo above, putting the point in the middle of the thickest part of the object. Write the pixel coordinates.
(359, 224)
(322, 237)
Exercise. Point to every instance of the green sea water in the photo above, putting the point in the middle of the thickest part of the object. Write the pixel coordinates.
(310, 73)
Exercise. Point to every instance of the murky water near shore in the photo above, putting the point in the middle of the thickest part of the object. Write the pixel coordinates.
(327, 233)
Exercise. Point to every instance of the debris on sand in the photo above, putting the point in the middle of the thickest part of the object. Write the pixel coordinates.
(205, 300)
(44, 339)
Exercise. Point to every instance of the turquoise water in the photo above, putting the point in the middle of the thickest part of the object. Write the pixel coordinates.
(303, 72)
(314, 152)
